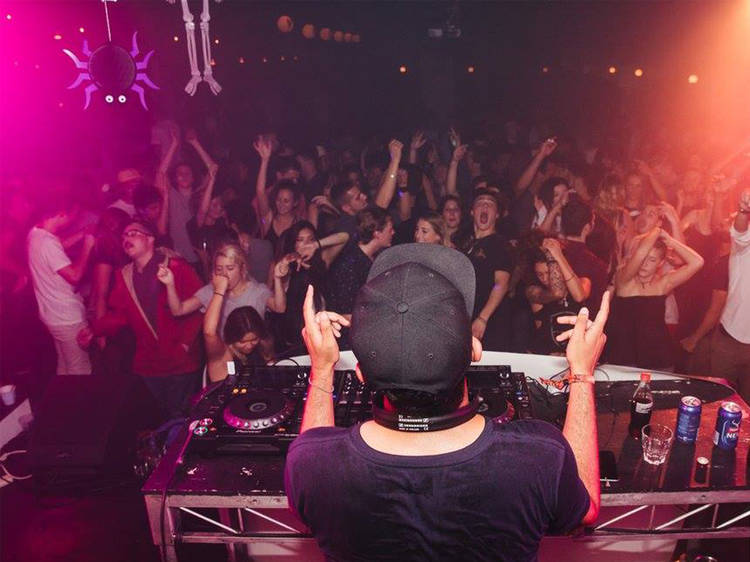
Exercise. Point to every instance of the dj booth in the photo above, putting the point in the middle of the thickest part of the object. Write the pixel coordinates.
(223, 480)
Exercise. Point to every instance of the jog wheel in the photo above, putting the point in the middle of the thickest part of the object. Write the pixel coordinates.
(258, 410)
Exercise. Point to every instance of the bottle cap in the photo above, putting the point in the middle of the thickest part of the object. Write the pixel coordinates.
(646, 377)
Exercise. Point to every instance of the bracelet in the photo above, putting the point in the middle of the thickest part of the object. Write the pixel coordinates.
(320, 246)
(482, 319)
(392, 176)
(321, 388)
(568, 279)
(218, 293)
(573, 378)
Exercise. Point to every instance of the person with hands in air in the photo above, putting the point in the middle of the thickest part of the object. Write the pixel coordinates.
(229, 261)
(555, 291)
(279, 211)
(443, 481)
(638, 334)
(245, 338)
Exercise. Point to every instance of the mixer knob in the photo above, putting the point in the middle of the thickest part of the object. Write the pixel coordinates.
(256, 425)
(265, 423)
(274, 420)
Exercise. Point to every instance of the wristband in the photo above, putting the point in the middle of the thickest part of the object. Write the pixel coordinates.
(568, 279)
(574, 378)
(217, 293)
(320, 246)
(482, 319)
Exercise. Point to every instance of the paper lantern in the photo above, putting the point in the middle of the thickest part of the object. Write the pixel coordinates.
(338, 36)
(308, 31)
(325, 34)
(355, 38)
(347, 37)
(285, 24)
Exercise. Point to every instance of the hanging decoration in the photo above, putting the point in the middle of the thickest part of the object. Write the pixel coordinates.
(195, 75)
(112, 69)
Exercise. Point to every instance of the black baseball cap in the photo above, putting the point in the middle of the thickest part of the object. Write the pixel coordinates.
(411, 323)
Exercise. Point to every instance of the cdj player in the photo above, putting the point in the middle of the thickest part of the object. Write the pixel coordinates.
(260, 410)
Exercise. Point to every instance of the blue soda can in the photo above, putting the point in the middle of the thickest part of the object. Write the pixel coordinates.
(688, 419)
(727, 430)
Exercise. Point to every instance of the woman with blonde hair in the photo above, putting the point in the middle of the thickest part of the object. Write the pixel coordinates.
(431, 229)
(241, 289)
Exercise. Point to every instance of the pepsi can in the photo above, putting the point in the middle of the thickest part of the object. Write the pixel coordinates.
(688, 419)
(727, 430)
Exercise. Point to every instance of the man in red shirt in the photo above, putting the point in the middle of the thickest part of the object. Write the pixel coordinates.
(167, 350)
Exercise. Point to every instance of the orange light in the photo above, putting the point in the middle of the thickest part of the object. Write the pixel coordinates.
(57, 37)
(693, 79)
(81, 29)
(325, 33)
(612, 70)
(638, 72)
(545, 69)
(470, 69)
(402, 69)
(338, 36)
(285, 24)
(175, 38)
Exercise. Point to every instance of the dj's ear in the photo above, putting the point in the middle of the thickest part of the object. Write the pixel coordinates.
(360, 376)
(476, 349)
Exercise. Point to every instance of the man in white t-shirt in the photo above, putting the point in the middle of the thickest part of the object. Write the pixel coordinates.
(730, 342)
(55, 276)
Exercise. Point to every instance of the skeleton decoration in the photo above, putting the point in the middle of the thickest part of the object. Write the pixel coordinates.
(195, 75)
(112, 69)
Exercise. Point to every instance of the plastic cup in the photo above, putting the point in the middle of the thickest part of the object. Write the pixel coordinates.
(656, 440)
(8, 394)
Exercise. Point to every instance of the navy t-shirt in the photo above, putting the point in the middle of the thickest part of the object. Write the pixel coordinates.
(492, 500)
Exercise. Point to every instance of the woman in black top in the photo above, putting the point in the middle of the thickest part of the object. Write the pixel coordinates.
(637, 333)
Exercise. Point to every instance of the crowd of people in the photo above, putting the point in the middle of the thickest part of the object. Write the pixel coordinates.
(184, 266)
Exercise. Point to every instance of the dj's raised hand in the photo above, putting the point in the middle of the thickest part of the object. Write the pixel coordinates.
(586, 340)
(320, 333)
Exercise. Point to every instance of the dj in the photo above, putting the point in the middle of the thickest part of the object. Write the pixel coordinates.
(428, 478)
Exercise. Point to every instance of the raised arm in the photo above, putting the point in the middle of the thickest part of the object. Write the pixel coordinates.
(162, 179)
(277, 301)
(578, 287)
(451, 181)
(429, 193)
(586, 341)
(527, 177)
(263, 148)
(212, 167)
(553, 213)
(656, 185)
(387, 187)
(320, 333)
(417, 142)
(74, 272)
(216, 352)
(208, 192)
(645, 243)
(177, 306)
(670, 215)
(693, 263)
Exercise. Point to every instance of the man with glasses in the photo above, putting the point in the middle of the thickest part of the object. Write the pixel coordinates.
(167, 350)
